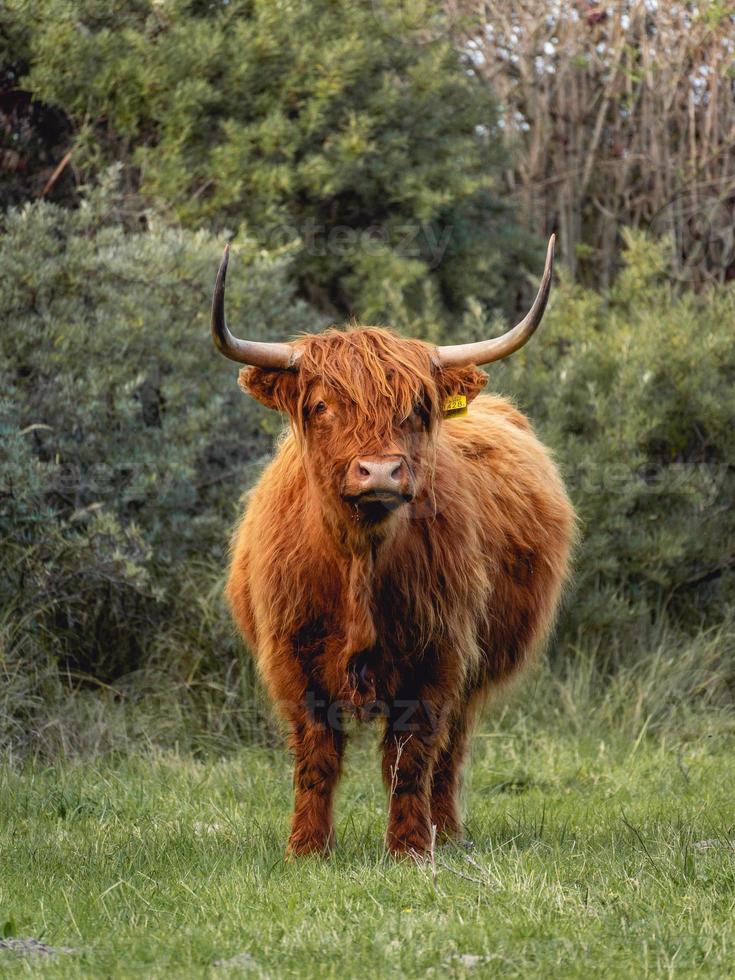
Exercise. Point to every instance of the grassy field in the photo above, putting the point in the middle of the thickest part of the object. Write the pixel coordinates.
(592, 855)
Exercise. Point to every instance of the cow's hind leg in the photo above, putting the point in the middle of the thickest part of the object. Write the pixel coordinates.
(446, 776)
(318, 749)
(410, 745)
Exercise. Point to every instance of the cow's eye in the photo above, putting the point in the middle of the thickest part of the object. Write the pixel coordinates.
(419, 414)
(320, 408)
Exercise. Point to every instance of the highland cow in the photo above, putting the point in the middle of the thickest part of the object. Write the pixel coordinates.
(401, 556)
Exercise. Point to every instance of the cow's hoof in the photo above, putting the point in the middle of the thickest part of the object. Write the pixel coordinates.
(449, 831)
(417, 855)
(411, 846)
(309, 845)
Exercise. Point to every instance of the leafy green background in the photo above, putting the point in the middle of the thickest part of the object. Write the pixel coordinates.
(354, 167)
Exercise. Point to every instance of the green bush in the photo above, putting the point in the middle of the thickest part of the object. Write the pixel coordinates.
(635, 390)
(125, 444)
(124, 440)
(373, 145)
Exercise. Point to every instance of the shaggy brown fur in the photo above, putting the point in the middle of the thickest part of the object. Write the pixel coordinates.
(410, 616)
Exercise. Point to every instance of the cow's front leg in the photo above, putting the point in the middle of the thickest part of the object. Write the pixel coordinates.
(412, 737)
(318, 747)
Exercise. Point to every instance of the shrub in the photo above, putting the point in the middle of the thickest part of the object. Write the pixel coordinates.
(124, 445)
(635, 390)
(124, 439)
(332, 123)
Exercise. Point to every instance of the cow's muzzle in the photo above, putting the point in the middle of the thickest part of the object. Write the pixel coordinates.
(383, 482)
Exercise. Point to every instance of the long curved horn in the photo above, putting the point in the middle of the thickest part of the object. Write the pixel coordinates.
(257, 353)
(485, 351)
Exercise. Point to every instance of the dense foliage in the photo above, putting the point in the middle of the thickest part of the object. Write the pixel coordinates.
(126, 444)
(312, 122)
(350, 155)
(634, 388)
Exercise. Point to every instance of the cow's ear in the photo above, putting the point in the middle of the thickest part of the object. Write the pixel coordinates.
(274, 389)
(467, 381)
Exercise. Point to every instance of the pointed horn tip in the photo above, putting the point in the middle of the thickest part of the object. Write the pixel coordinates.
(485, 352)
(267, 355)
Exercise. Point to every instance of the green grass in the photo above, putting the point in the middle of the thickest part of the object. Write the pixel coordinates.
(593, 856)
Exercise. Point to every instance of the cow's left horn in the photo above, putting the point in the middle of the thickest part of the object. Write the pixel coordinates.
(257, 353)
(485, 351)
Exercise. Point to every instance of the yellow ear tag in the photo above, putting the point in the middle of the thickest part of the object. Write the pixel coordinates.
(455, 405)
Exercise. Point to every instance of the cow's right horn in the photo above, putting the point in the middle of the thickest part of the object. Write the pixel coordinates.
(257, 353)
